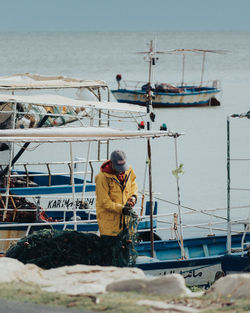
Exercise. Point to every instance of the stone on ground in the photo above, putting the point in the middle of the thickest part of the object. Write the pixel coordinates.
(72, 280)
(235, 285)
(169, 285)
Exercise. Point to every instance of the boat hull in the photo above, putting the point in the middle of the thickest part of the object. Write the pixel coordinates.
(196, 272)
(162, 100)
(232, 264)
(203, 262)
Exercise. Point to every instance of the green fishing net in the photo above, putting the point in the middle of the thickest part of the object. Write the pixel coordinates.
(49, 248)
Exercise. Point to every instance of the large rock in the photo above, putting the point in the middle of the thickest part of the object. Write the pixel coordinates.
(169, 285)
(235, 285)
(72, 280)
(84, 279)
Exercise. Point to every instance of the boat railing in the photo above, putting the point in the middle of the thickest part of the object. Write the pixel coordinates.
(218, 226)
(138, 85)
(166, 222)
(27, 173)
(216, 218)
(245, 245)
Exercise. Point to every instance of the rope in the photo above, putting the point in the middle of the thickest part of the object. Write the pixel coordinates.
(192, 209)
(178, 235)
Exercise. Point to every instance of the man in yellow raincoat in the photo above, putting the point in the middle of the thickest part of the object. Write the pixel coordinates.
(116, 194)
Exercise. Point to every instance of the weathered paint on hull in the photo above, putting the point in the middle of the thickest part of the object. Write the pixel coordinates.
(204, 257)
(198, 272)
(232, 264)
(168, 100)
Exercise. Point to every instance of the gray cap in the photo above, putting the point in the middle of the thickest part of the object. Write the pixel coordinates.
(119, 161)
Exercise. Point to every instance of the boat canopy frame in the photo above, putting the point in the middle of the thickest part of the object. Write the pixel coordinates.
(152, 52)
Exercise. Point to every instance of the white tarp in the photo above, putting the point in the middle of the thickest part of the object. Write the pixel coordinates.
(56, 100)
(33, 81)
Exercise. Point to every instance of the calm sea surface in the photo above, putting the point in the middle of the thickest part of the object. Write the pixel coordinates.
(202, 149)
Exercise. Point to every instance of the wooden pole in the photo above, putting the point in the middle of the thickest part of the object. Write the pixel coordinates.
(143, 191)
(149, 109)
(183, 69)
(203, 67)
(150, 199)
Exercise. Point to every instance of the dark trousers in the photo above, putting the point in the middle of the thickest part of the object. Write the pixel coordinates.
(117, 249)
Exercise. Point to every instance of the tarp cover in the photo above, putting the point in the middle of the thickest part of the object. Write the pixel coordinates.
(56, 100)
(75, 134)
(33, 81)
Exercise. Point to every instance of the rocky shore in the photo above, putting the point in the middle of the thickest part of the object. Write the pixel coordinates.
(113, 289)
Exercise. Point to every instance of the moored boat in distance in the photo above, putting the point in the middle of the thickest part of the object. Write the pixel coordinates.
(166, 95)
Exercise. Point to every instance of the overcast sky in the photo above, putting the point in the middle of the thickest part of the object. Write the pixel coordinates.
(126, 15)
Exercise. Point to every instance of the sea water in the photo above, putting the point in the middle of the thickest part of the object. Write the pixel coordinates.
(203, 147)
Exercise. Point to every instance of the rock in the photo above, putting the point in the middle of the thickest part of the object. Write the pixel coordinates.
(169, 285)
(84, 279)
(10, 269)
(32, 273)
(71, 280)
(235, 285)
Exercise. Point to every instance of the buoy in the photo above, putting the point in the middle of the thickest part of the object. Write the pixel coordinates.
(118, 79)
(141, 125)
(163, 126)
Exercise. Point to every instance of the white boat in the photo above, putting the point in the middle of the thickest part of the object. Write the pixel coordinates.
(54, 184)
(167, 94)
(65, 194)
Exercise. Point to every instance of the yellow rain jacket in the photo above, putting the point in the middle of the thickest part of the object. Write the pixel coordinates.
(111, 197)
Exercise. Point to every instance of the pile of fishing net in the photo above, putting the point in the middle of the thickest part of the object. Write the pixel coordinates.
(19, 210)
(50, 248)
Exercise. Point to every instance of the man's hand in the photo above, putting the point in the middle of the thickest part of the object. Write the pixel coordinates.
(132, 201)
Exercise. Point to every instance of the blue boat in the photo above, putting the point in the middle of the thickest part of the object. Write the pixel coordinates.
(204, 260)
(235, 264)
